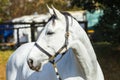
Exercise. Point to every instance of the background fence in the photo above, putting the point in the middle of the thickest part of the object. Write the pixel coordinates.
(33, 26)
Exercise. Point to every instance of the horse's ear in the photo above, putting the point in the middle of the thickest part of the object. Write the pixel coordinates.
(58, 14)
(50, 10)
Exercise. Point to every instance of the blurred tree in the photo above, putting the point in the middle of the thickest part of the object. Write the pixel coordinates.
(109, 24)
(84, 4)
(10, 9)
(24, 7)
(4, 11)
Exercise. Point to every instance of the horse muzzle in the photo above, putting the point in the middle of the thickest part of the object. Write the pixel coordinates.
(30, 64)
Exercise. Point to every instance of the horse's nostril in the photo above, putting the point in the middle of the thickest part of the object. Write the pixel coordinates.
(30, 63)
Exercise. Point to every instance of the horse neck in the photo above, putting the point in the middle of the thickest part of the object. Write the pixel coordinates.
(69, 65)
(79, 34)
(83, 49)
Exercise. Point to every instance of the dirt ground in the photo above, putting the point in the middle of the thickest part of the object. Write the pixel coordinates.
(2, 72)
(108, 57)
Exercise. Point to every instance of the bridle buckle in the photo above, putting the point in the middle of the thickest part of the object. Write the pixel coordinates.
(67, 34)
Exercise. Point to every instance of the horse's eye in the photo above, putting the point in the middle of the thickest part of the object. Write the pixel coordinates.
(50, 33)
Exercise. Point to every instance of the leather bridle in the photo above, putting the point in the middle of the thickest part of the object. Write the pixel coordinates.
(51, 57)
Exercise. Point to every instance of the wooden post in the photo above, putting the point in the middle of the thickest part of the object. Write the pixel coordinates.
(18, 41)
(32, 26)
(86, 27)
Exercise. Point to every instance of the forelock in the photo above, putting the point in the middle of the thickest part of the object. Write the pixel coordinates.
(53, 17)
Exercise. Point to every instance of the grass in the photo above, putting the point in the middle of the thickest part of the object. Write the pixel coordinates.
(108, 56)
(4, 55)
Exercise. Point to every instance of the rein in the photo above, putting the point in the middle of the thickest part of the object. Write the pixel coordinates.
(52, 57)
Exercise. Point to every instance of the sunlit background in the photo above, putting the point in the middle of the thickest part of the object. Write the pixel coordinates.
(99, 18)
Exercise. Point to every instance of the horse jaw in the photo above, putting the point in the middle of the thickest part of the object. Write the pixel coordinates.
(33, 62)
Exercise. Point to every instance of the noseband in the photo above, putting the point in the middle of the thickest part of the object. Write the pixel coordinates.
(51, 57)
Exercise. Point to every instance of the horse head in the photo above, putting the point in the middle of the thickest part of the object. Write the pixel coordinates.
(54, 39)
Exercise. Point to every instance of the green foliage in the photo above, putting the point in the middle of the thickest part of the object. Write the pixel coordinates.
(110, 23)
(0, 20)
(84, 4)
(4, 5)
(109, 26)
(10, 9)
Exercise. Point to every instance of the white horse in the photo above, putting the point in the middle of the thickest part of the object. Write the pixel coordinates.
(78, 63)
